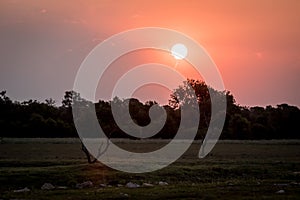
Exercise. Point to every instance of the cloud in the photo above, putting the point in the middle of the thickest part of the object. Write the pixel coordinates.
(259, 55)
(43, 11)
(136, 16)
(74, 21)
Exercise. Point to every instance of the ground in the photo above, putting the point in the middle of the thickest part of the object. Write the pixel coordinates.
(233, 170)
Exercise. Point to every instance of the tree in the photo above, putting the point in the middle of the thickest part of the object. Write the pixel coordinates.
(32, 118)
(184, 95)
(239, 127)
(68, 99)
(50, 102)
(4, 99)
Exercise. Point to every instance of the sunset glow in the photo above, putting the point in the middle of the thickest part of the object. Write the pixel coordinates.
(255, 44)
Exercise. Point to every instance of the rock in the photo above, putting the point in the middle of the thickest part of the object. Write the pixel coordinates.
(85, 184)
(280, 192)
(147, 185)
(132, 185)
(102, 185)
(281, 184)
(119, 185)
(162, 183)
(47, 186)
(124, 194)
(62, 187)
(294, 183)
(22, 190)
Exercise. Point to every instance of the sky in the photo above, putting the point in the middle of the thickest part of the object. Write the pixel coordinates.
(255, 44)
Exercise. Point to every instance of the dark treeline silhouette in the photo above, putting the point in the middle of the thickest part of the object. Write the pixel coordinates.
(45, 119)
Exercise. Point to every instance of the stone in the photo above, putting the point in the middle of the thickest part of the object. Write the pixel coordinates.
(85, 184)
(147, 185)
(47, 186)
(124, 194)
(22, 190)
(280, 192)
(294, 183)
(162, 183)
(281, 184)
(132, 185)
(62, 187)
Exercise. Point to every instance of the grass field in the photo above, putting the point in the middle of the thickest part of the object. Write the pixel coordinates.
(233, 170)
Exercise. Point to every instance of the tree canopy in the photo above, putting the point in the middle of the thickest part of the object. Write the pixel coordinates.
(45, 119)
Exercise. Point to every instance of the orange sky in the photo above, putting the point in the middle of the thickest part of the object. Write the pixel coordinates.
(255, 44)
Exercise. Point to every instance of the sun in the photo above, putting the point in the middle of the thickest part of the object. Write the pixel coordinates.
(179, 51)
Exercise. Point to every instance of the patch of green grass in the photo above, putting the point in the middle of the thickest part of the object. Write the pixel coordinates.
(245, 170)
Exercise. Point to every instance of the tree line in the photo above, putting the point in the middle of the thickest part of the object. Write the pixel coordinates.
(45, 119)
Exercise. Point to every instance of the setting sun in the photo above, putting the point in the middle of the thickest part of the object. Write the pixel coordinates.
(179, 51)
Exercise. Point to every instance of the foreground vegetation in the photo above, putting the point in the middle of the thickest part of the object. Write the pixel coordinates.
(233, 170)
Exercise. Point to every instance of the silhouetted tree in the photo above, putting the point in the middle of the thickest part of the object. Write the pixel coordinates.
(32, 118)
